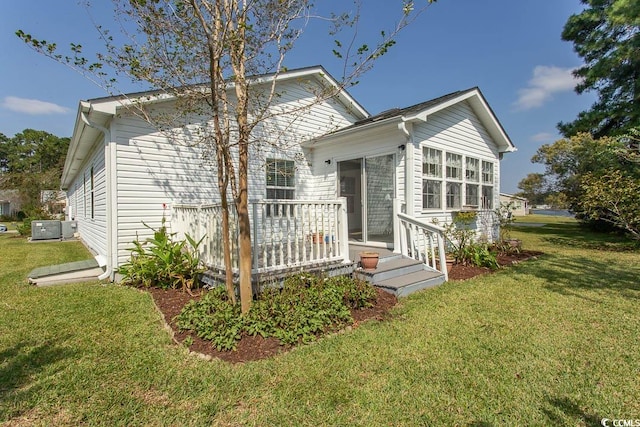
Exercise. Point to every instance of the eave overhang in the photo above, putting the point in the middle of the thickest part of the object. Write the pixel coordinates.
(400, 117)
(84, 138)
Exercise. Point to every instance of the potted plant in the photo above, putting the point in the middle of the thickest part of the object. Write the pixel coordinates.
(317, 236)
(369, 260)
(449, 262)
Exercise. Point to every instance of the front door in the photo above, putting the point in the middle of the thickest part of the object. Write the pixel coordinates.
(368, 185)
(350, 187)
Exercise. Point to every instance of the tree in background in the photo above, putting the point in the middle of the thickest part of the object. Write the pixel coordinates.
(30, 162)
(533, 188)
(557, 200)
(606, 34)
(202, 53)
(600, 177)
(613, 198)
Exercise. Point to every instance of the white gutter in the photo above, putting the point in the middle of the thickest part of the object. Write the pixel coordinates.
(110, 190)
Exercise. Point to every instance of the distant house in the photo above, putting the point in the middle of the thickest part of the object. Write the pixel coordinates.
(349, 178)
(520, 204)
(54, 202)
(10, 203)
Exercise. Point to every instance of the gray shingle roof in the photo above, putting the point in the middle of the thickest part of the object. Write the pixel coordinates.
(399, 112)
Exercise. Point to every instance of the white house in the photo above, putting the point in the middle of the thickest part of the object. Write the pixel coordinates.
(9, 203)
(520, 205)
(335, 171)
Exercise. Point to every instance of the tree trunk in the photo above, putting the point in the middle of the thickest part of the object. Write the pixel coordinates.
(226, 245)
(238, 60)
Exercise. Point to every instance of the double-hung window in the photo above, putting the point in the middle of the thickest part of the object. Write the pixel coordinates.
(432, 178)
(281, 181)
(454, 181)
(472, 176)
(487, 185)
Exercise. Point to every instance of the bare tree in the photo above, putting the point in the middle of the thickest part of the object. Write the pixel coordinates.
(204, 54)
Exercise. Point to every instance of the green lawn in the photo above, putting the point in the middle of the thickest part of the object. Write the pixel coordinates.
(554, 341)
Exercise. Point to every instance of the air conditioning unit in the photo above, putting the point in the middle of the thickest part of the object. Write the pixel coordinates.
(45, 230)
(68, 229)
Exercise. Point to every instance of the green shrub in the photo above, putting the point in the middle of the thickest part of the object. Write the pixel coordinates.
(162, 262)
(459, 236)
(305, 307)
(24, 229)
(480, 255)
(214, 318)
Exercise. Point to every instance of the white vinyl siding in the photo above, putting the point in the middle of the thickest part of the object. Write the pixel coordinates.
(323, 184)
(87, 195)
(154, 171)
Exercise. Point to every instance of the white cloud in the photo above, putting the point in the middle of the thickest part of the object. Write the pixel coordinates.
(543, 137)
(546, 81)
(32, 106)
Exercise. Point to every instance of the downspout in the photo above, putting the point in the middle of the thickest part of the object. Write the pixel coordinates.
(110, 177)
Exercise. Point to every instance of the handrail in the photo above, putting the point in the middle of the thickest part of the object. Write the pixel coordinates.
(415, 221)
(420, 240)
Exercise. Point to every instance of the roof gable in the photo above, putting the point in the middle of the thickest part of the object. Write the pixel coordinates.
(422, 111)
(110, 103)
(94, 116)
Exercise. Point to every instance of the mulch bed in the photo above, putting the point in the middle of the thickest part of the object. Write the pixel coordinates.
(463, 272)
(170, 302)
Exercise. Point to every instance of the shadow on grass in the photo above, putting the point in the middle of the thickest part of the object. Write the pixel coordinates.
(575, 236)
(570, 409)
(569, 275)
(20, 365)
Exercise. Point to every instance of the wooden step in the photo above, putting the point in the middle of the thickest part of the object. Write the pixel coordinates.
(404, 285)
(401, 275)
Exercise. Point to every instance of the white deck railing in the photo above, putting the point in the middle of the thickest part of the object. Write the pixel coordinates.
(422, 241)
(285, 234)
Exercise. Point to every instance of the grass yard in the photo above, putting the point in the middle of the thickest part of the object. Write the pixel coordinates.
(554, 341)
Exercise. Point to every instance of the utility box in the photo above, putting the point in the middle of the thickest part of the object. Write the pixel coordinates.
(45, 230)
(68, 229)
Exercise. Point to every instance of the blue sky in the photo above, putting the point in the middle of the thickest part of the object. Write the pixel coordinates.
(510, 49)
